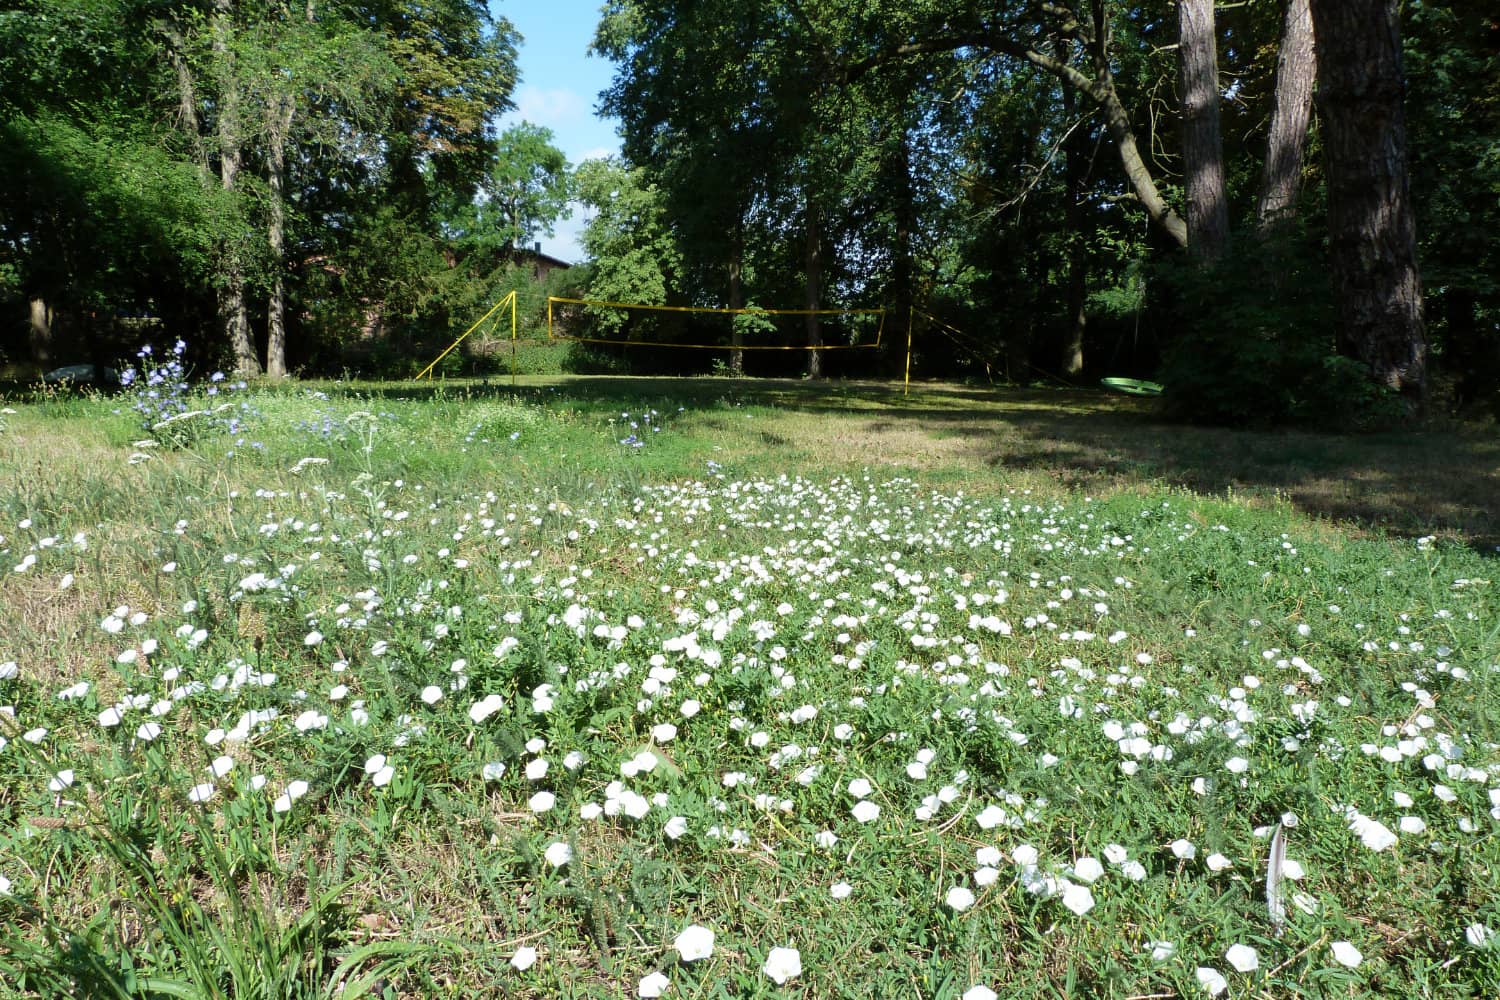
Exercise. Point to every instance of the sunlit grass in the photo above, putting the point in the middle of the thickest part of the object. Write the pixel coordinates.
(489, 695)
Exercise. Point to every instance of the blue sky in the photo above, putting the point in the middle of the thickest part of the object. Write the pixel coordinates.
(559, 89)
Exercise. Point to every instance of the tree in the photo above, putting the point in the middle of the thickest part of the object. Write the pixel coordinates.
(1281, 177)
(525, 192)
(1371, 227)
(628, 238)
(1202, 143)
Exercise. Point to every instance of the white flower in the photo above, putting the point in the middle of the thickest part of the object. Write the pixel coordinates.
(1078, 898)
(1478, 935)
(558, 853)
(652, 985)
(312, 638)
(694, 942)
(201, 793)
(1088, 869)
(523, 959)
(1217, 862)
(782, 964)
(864, 810)
(1242, 957)
(1412, 824)
(63, 780)
(840, 890)
(483, 709)
(1025, 854)
(383, 777)
(676, 827)
(432, 694)
(221, 766)
(8, 670)
(541, 802)
(979, 992)
(859, 788)
(1212, 980)
(493, 770)
(110, 717)
(959, 899)
(1162, 950)
(1184, 850)
(1346, 954)
(1236, 765)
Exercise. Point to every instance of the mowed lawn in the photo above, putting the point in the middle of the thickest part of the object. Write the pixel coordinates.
(624, 687)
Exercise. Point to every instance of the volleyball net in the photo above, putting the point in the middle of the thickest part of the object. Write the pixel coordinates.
(629, 324)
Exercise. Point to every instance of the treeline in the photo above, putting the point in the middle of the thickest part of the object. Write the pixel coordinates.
(1280, 208)
(283, 184)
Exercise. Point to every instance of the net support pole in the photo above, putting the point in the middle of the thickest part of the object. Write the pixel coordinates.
(911, 314)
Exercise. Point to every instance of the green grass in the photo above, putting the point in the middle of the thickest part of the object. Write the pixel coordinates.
(1038, 626)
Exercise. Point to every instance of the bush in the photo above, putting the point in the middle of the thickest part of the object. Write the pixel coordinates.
(1255, 345)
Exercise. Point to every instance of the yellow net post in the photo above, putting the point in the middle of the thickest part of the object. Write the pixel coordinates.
(911, 316)
(510, 300)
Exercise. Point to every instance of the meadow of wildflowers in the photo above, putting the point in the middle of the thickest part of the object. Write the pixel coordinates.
(481, 698)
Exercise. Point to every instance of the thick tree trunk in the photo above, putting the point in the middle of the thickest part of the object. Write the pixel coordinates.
(1281, 175)
(281, 123)
(1371, 230)
(737, 299)
(1202, 145)
(232, 312)
(39, 335)
(813, 263)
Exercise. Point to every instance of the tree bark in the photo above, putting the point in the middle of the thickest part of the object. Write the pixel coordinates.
(232, 312)
(1202, 145)
(280, 126)
(1281, 175)
(39, 337)
(1076, 219)
(1371, 230)
(813, 262)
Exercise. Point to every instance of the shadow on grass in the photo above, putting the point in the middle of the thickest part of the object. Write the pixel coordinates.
(1435, 479)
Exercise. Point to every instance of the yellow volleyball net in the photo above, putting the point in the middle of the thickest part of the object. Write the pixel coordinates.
(631, 324)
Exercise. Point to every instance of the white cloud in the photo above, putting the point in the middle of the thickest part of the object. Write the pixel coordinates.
(557, 109)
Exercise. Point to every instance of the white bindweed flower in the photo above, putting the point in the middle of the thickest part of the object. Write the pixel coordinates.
(1478, 935)
(201, 793)
(1077, 898)
(1346, 954)
(675, 827)
(1242, 957)
(979, 992)
(541, 802)
(1217, 862)
(1212, 980)
(652, 985)
(959, 899)
(1162, 950)
(558, 853)
(523, 959)
(865, 811)
(840, 890)
(694, 942)
(1183, 850)
(486, 707)
(782, 964)
(432, 694)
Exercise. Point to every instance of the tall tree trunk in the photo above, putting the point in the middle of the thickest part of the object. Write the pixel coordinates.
(1281, 175)
(1371, 230)
(903, 270)
(39, 336)
(232, 311)
(737, 298)
(1202, 146)
(280, 125)
(813, 263)
(1077, 221)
